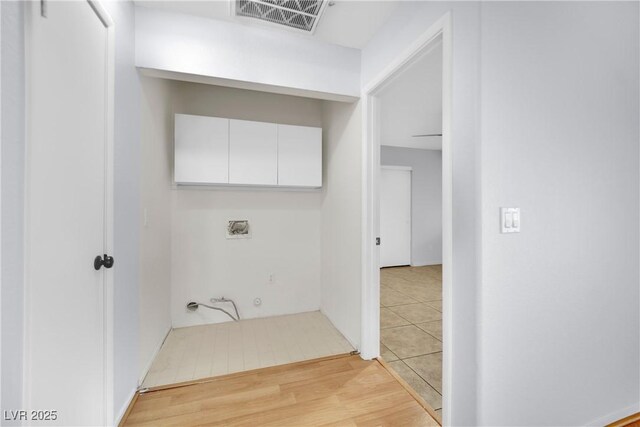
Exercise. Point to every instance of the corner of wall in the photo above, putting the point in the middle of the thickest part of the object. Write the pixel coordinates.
(155, 206)
(341, 287)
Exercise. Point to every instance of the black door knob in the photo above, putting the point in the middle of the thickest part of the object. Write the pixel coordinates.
(99, 261)
(108, 261)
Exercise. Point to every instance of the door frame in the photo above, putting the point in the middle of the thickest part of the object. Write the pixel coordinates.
(410, 170)
(108, 283)
(370, 332)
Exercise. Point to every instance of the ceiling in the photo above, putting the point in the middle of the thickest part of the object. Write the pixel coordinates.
(349, 23)
(411, 104)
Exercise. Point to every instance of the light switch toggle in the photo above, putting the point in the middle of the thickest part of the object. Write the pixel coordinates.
(510, 220)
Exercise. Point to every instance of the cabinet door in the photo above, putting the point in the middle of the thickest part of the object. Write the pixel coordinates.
(299, 156)
(201, 150)
(253, 153)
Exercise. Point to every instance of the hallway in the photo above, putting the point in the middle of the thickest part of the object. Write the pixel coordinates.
(342, 390)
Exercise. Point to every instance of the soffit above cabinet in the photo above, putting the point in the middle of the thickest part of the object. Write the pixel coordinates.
(183, 47)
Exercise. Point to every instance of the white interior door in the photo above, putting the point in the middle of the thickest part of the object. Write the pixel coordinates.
(395, 217)
(66, 214)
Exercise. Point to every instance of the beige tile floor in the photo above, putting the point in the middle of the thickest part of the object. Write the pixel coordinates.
(411, 327)
(209, 350)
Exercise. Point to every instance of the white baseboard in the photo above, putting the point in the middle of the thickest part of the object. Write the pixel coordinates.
(124, 408)
(616, 415)
(424, 264)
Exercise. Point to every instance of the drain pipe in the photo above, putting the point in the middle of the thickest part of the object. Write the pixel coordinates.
(193, 306)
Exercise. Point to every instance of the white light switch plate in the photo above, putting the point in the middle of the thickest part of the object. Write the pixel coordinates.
(510, 220)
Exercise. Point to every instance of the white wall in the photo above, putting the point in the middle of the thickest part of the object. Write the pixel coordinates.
(226, 50)
(410, 21)
(198, 262)
(559, 133)
(341, 217)
(426, 200)
(285, 241)
(126, 206)
(559, 309)
(285, 225)
(155, 236)
(12, 192)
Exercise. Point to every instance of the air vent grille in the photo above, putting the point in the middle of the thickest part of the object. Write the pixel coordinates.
(299, 14)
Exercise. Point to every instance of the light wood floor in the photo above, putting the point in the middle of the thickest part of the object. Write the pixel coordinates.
(345, 391)
(630, 421)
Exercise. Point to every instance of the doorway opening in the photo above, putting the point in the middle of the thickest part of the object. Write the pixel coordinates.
(410, 194)
(407, 205)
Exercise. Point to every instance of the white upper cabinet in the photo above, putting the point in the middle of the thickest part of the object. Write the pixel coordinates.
(219, 151)
(253, 153)
(201, 150)
(299, 156)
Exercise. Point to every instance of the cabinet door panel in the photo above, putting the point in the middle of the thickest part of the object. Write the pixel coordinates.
(253, 153)
(201, 150)
(299, 156)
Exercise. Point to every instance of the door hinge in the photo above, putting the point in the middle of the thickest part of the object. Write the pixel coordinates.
(377, 241)
(43, 8)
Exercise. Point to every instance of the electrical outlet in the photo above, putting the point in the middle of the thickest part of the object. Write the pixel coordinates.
(272, 278)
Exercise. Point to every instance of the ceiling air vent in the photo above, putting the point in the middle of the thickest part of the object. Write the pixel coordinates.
(299, 14)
